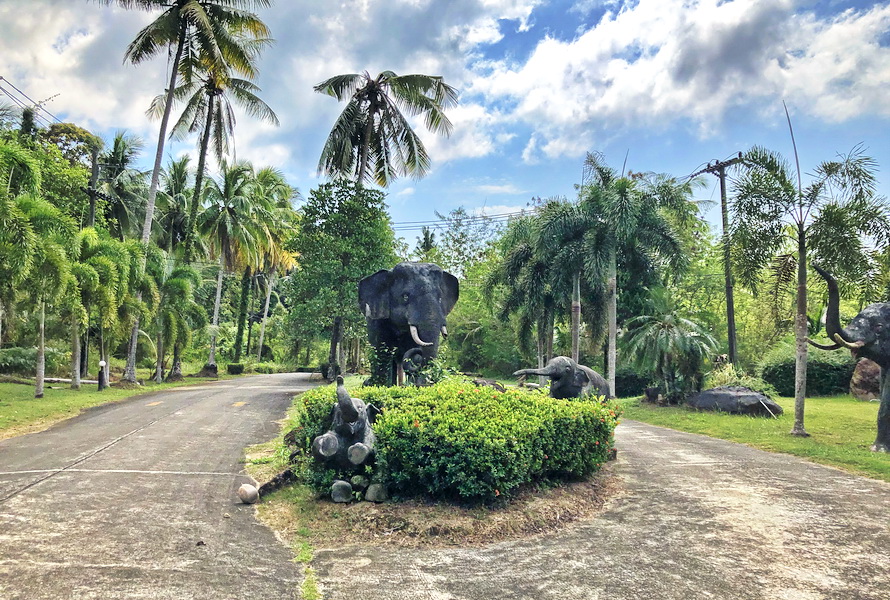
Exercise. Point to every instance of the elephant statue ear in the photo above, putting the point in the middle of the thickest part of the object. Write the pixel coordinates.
(373, 295)
(581, 379)
(450, 291)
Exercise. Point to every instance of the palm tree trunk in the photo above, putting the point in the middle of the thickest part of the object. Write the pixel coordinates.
(612, 309)
(159, 359)
(130, 370)
(199, 182)
(242, 313)
(211, 360)
(75, 353)
(41, 352)
(800, 336)
(259, 345)
(2, 315)
(175, 373)
(250, 312)
(576, 316)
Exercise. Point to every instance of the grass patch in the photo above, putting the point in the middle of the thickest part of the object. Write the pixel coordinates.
(21, 413)
(842, 429)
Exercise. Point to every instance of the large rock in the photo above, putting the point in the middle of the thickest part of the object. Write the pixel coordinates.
(735, 400)
(866, 381)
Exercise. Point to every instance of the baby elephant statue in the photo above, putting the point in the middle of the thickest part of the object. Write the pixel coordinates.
(867, 336)
(568, 379)
(349, 443)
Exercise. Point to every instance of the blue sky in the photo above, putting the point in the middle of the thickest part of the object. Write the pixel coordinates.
(671, 83)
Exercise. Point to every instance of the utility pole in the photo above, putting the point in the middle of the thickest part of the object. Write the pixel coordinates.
(719, 169)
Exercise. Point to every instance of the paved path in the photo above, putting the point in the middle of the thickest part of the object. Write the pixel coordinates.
(700, 518)
(137, 499)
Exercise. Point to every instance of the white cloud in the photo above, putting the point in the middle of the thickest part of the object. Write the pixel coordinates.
(408, 191)
(506, 188)
(658, 62)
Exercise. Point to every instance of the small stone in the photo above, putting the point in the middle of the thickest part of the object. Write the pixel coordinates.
(341, 491)
(376, 493)
(248, 494)
(227, 516)
(359, 483)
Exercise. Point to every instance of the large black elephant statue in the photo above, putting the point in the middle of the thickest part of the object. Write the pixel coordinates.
(868, 336)
(405, 308)
(568, 379)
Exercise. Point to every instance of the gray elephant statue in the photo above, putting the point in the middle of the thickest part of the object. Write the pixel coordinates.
(350, 441)
(867, 336)
(568, 379)
(405, 309)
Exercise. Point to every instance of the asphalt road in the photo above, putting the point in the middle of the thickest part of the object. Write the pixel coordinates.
(138, 499)
(699, 518)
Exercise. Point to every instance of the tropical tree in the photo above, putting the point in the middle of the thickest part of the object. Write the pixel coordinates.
(669, 346)
(633, 217)
(234, 232)
(200, 32)
(780, 224)
(372, 139)
(124, 184)
(345, 235)
(173, 202)
(529, 292)
(50, 276)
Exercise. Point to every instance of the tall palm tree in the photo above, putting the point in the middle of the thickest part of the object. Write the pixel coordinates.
(234, 234)
(124, 183)
(209, 110)
(780, 223)
(202, 32)
(174, 199)
(372, 139)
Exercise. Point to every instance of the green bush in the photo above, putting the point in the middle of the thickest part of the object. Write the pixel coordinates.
(828, 372)
(235, 368)
(630, 383)
(460, 442)
(726, 375)
(23, 361)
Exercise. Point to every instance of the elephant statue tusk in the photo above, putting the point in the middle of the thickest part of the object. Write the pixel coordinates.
(416, 337)
(444, 331)
(823, 347)
(850, 345)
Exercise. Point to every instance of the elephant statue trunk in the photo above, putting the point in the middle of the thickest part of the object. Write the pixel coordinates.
(867, 336)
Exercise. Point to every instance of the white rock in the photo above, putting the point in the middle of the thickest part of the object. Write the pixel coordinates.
(248, 494)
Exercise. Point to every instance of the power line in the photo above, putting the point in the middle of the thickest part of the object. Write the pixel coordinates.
(38, 106)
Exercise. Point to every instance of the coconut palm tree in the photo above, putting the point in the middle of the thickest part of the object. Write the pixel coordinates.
(201, 32)
(174, 199)
(372, 139)
(780, 224)
(124, 183)
(234, 233)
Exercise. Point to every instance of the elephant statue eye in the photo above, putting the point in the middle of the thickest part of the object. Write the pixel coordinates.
(405, 298)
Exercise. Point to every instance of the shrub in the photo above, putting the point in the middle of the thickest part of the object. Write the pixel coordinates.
(460, 442)
(725, 375)
(235, 368)
(23, 361)
(630, 383)
(828, 372)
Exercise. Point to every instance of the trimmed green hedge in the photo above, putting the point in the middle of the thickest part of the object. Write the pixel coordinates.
(235, 368)
(460, 442)
(828, 372)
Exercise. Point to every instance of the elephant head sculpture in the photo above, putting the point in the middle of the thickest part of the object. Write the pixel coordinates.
(868, 336)
(568, 379)
(405, 309)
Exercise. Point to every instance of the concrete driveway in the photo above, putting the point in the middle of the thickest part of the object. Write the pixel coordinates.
(700, 518)
(137, 499)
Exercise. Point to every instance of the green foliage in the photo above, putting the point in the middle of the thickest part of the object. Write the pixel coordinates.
(23, 361)
(726, 375)
(828, 373)
(460, 442)
(235, 368)
(629, 383)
